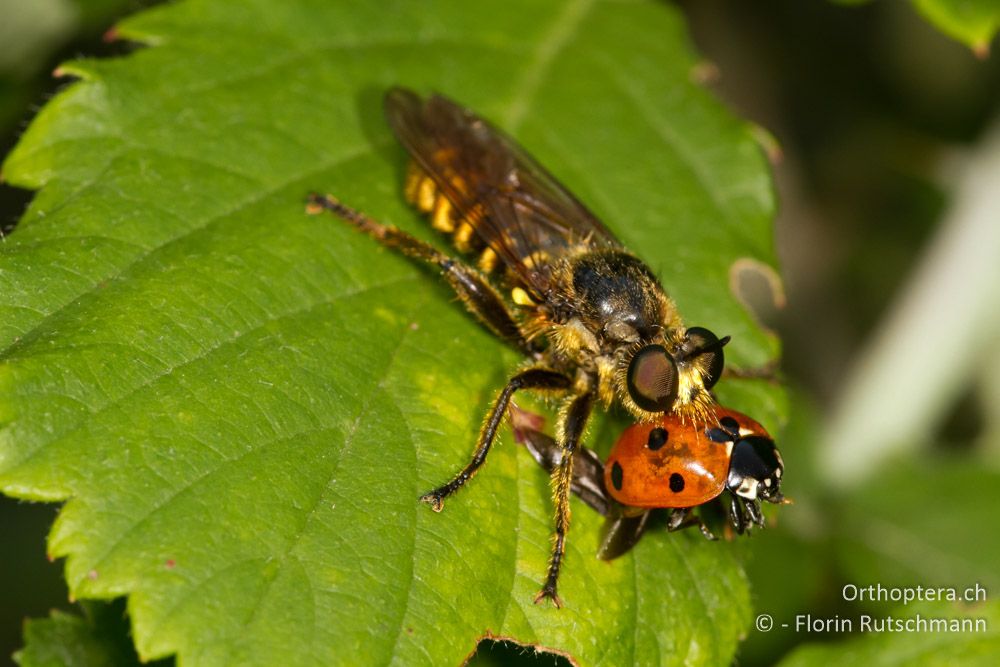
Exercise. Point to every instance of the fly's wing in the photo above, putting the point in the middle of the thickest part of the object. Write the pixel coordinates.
(514, 205)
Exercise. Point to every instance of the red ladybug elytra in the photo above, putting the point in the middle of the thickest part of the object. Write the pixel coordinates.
(672, 463)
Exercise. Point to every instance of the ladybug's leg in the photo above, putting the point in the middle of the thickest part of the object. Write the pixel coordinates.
(753, 511)
(572, 422)
(479, 297)
(532, 378)
(679, 519)
(737, 515)
(684, 518)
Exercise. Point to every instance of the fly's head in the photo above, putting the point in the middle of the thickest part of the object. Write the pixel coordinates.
(674, 373)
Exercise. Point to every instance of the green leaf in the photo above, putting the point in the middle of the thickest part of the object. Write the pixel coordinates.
(911, 636)
(240, 403)
(97, 638)
(973, 22)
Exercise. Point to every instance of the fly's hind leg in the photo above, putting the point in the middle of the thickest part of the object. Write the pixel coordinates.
(479, 297)
(532, 378)
(573, 421)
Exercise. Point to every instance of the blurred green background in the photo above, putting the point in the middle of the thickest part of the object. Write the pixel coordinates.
(893, 449)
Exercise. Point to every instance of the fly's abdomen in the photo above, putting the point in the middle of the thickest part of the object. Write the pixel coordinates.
(423, 192)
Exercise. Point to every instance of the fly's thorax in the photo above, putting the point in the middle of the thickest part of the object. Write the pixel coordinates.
(607, 388)
(601, 301)
(574, 340)
(616, 297)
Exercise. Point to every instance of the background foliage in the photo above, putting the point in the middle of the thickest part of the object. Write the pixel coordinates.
(210, 268)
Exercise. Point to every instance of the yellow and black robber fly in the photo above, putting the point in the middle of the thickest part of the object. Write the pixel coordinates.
(592, 319)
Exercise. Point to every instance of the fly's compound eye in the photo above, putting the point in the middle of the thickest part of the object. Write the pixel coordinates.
(703, 349)
(652, 379)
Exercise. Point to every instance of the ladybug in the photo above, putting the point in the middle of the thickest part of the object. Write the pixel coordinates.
(669, 463)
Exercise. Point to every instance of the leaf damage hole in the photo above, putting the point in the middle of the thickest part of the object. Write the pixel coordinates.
(496, 650)
(13, 201)
(759, 288)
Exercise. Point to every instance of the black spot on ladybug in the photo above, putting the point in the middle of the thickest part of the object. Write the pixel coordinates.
(730, 424)
(676, 482)
(616, 475)
(657, 438)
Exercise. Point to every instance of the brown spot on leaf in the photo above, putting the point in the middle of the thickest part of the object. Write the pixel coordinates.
(705, 72)
(758, 287)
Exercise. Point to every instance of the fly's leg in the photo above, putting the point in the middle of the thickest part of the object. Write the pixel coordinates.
(685, 518)
(573, 421)
(478, 296)
(588, 469)
(533, 378)
(621, 531)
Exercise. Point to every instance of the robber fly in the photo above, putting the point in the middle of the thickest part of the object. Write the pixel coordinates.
(592, 319)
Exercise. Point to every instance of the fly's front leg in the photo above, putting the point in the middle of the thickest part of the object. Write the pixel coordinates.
(573, 421)
(622, 530)
(478, 296)
(533, 378)
(588, 469)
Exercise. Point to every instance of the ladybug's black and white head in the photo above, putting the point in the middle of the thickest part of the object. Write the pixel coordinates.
(755, 469)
